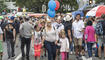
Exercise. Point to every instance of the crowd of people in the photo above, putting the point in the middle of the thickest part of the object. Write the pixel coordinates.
(62, 35)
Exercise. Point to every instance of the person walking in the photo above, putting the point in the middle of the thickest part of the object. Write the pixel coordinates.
(37, 42)
(50, 37)
(17, 25)
(64, 45)
(59, 26)
(68, 30)
(1, 41)
(10, 35)
(78, 28)
(26, 28)
(100, 31)
(90, 38)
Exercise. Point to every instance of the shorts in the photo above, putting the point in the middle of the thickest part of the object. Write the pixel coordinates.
(101, 40)
(1, 48)
(78, 42)
(37, 50)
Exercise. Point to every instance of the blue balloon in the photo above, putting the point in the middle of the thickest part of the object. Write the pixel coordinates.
(52, 5)
(51, 13)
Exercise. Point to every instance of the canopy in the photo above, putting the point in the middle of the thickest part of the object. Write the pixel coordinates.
(97, 11)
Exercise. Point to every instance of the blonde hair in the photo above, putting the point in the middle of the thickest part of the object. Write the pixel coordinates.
(62, 32)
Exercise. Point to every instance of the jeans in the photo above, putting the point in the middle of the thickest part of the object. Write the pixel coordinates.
(71, 46)
(10, 47)
(51, 48)
(96, 50)
(89, 46)
(25, 41)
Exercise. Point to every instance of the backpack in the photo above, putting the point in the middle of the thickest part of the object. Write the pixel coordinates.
(99, 28)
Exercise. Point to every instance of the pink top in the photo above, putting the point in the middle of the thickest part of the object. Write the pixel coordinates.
(90, 32)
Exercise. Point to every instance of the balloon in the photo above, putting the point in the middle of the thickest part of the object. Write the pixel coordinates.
(51, 13)
(57, 5)
(52, 5)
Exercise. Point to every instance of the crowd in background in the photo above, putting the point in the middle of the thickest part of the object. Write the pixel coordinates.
(62, 35)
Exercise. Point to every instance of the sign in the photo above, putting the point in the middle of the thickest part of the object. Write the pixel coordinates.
(43, 8)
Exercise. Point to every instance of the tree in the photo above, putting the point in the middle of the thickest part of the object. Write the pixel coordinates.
(2, 6)
(100, 1)
(36, 5)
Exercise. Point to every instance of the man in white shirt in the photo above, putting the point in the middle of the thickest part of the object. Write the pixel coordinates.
(78, 27)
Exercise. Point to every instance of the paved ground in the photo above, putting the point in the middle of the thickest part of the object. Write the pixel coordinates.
(18, 55)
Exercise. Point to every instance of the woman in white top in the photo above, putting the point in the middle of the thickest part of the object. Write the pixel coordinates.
(50, 40)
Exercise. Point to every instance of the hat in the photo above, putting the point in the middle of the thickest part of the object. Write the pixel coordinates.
(12, 18)
(59, 17)
(68, 18)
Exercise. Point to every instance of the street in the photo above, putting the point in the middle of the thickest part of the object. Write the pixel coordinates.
(18, 54)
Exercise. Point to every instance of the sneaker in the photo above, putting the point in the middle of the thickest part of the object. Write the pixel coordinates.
(71, 53)
(77, 57)
(13, 56)
(74, 53)
(100, 57)
(9, 57)
(22, 58)
(27, 58)
(89, 58)
(84, 58)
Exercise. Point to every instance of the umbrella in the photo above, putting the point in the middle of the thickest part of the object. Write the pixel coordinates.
(77, 12)
(97, 11)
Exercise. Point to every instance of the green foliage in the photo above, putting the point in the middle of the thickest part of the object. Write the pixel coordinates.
(36, 5)
(98, 1)
(2, 6)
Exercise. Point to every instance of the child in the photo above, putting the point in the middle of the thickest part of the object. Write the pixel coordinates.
(64, 43)
(37, 42)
